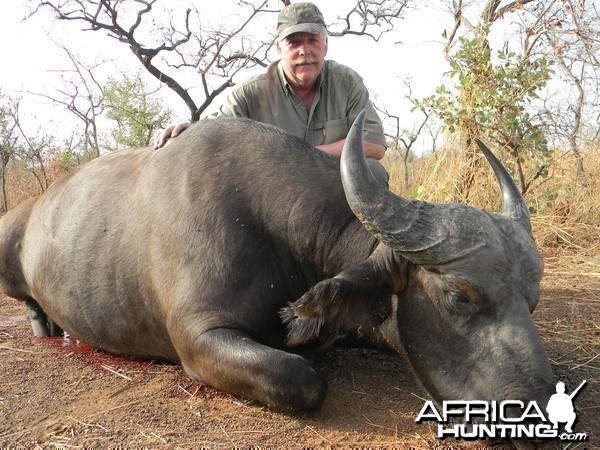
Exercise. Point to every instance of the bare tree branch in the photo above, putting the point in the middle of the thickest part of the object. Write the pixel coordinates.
(8, 141)
(82, 96)
(378, 13)
(33, 150)
(217, 54)
(105, 15)
(458, 20)
(406, 137)
(498, 13)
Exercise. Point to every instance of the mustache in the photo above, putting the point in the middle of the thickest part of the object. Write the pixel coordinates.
(305, 61)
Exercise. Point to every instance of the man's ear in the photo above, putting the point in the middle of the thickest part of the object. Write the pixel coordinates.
(278, 45)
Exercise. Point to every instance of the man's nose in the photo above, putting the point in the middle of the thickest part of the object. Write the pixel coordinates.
(304, 49)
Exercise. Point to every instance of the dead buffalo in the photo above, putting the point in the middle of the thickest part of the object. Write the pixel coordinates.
(190, 253)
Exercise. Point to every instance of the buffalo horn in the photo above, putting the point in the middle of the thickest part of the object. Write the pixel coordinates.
(408, 226)
(424, 233)
(513, 204)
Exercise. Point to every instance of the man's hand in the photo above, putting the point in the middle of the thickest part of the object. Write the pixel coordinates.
(169, 133)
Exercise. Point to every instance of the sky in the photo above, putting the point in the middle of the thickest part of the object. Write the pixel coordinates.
(31, 57)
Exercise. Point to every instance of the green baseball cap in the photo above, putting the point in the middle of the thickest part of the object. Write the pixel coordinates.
(300, 18)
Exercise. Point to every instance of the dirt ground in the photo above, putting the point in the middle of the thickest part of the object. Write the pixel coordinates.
(55, 393)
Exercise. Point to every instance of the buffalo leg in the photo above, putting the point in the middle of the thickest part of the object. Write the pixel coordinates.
(40, 322)
(230, 360)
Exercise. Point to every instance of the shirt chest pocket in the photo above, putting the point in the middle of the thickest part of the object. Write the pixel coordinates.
(330, 131)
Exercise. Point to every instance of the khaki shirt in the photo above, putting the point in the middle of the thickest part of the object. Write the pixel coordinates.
(268, 98)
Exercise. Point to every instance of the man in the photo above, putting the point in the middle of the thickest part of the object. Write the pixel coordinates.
(302, 93)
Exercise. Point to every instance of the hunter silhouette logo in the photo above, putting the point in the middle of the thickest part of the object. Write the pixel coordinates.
(514, 419)
(560, 407)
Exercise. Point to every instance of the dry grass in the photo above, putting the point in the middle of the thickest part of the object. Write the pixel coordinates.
(565, 210)
(23, 184)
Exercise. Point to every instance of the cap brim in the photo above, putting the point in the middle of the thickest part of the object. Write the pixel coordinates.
(311, 28)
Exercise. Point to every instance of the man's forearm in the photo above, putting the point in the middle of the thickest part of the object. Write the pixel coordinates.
(372, 150)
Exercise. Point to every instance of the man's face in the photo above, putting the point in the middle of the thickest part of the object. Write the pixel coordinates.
(303, 55)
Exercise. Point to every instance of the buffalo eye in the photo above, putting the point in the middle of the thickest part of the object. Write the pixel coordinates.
(459, 302)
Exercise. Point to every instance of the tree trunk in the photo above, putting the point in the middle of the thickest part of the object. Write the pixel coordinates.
(5, 155)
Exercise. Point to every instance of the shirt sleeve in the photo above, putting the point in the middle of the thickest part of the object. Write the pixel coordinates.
(359, 100)
(236, 104)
